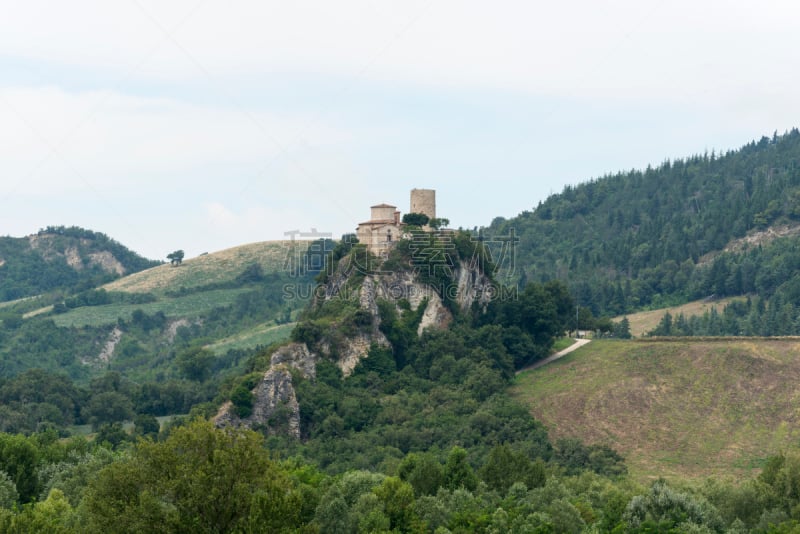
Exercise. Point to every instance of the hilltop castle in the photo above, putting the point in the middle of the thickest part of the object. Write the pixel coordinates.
(385, 226)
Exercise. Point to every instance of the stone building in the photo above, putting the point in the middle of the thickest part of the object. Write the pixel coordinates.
(384, 227)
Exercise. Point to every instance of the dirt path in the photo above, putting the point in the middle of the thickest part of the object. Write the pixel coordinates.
(578, 344)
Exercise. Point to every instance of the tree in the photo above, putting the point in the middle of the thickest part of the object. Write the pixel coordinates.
(195, 363)
(622, 329)
(504, 467)
(457, 471)
(200, 479)
(108, 407)
(8, 491)
(242, 399)
(146, 425)
(175, 258)
(19, 459)
(416, 219)
(438, 222)
(423, 472)
(113, 434)
(668, 508)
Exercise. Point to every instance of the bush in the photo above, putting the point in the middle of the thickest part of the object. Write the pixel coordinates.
(242, 399)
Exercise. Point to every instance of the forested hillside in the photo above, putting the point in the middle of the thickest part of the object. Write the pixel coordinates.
(155, 343)
(60, 258)
(650, 238)
(420, 435)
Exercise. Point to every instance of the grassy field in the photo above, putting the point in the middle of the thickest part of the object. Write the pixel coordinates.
(643, 322)
(218, 267)
(186, 306)
(562, 343)
(265, 335)
(674, 408)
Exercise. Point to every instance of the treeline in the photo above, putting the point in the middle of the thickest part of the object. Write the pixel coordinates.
(37, 400)
(196, 478)
(638, 239)
(746, 317)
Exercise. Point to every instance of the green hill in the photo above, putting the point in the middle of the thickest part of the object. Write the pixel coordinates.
(232, 301)
(213, 269)
(680, 409)
(655, 237)
(65, 259)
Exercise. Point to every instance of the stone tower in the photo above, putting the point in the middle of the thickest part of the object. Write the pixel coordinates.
(423, 201)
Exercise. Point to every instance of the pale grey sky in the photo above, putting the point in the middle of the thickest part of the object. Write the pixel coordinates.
(206, 124)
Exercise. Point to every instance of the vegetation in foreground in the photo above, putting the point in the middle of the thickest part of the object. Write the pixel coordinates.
(196, 478)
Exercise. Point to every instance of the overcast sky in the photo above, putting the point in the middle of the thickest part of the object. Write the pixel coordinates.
(206, 124)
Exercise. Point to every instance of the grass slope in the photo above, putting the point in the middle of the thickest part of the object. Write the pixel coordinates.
(186, 306)
(645, 321)
(678, 408)
(264, 335)
(218, 267)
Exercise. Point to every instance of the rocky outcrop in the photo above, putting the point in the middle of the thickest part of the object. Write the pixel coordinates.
(75, 254)
(347, 340)
(107, 262)
(435, 315)
(355, 349)
(296, 356)
(275, 407)
(472, 286)
(107, 351)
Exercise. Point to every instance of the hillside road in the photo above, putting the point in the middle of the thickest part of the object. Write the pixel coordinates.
(578, 344)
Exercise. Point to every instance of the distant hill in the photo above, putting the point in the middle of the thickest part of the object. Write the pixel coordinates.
(217, 268)
(720, 224)
(231, 302)
(674, 408)
(62, 258)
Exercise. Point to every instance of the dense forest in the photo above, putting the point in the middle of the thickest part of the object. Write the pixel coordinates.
(195, 478)
(646, 239)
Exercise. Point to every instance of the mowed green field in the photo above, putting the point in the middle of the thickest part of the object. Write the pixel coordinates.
(187, 306)
(215, 268)
(674, 408)
(263, 335)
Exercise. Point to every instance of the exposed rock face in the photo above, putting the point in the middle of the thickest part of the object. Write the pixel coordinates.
(434, 316)
(73, 258)
(275, 406)
(108, 349)
(355, 349)
(472, 286)
(48, 247)
(297, 356)
(274, 394)
(107, 262)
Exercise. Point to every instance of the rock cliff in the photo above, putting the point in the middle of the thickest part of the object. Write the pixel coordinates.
(275, 404)
(344, 322)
